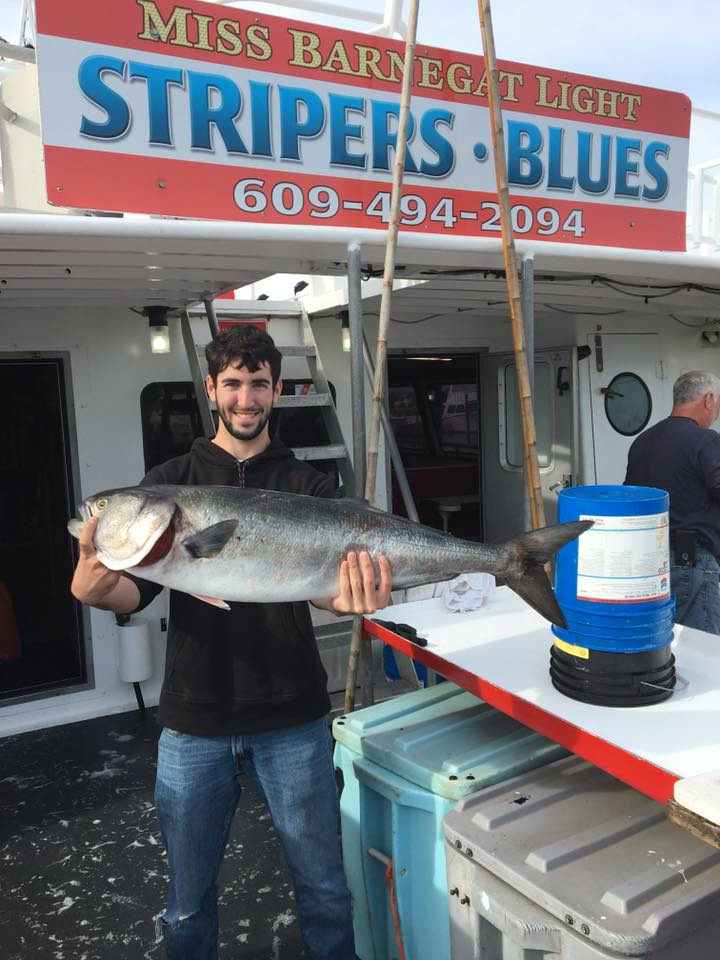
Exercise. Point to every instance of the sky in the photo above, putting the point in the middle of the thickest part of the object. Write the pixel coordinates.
(651, 42)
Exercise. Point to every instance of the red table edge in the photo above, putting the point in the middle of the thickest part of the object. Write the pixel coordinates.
(644, 776)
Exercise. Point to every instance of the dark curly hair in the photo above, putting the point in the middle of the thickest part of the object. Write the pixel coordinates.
(246, 343)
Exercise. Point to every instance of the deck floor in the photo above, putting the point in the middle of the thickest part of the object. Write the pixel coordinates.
(82, 865)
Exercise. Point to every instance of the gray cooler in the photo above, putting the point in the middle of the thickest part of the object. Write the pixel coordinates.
(568, 862)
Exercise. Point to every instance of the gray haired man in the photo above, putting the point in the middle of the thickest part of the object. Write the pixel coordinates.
(681, 454)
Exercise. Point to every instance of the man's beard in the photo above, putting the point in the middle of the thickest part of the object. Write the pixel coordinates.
(249, 433)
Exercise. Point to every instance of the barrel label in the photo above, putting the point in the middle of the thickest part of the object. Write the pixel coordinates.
(624, 559)
(572, 648)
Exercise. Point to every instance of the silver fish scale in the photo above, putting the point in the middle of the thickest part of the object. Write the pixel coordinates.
(289, 547)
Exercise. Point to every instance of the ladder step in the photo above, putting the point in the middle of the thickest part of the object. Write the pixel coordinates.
(297, 350)
(252, 309)
(290, 350)
(332, 452)
(304, 347)
(304, 400)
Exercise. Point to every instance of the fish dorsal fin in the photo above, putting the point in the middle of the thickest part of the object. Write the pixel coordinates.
(210, 541)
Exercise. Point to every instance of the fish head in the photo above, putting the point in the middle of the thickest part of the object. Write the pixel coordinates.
(134, 528)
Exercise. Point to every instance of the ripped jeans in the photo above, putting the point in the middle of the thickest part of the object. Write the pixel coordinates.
(196, 793)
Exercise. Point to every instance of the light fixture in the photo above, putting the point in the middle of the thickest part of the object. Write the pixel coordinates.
(300, 286)
(345, 318)
(159, 331)
(712, 337)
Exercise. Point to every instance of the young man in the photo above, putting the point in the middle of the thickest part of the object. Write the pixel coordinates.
(244, 690)
(681, 454)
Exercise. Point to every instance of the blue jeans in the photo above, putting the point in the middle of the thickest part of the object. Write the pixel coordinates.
(697, 592)
(196, 793)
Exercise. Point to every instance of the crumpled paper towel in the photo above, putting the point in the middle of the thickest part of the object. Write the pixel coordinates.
(468, 592)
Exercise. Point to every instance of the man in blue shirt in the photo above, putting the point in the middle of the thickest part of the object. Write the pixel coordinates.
(682, 455)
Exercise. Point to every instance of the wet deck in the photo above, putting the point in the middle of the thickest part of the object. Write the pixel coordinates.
(82, 864)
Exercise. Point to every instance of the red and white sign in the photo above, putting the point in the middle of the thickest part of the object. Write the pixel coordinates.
(227, 323)
(209, 111)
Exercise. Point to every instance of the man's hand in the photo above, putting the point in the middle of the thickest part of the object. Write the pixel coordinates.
(94, 584)
(362, 590)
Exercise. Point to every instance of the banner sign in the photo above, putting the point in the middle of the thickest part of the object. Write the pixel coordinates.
(227, 323)
(198, 110)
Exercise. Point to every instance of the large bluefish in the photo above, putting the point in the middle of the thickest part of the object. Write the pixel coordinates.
(262, 546)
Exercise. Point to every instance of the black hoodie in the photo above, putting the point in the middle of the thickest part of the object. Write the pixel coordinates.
(256, 667)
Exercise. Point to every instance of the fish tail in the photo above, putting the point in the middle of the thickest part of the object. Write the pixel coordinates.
(530, 552)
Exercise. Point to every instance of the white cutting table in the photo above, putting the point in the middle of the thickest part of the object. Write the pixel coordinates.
(501, 653)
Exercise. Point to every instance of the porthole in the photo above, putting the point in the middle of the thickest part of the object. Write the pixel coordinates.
(628, 404)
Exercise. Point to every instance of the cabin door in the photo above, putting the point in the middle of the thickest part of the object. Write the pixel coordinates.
(627, 394)
(41, 626)
(504, 489)
(433, 403)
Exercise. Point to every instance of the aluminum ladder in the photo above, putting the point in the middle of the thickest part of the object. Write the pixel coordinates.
(289, 326)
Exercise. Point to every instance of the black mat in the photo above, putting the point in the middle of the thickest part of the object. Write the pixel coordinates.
(82, 868)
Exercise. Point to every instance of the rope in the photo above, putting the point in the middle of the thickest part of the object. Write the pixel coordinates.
(393, 908)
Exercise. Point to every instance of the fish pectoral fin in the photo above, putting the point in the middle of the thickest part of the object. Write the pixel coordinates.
(213, 601)
(210, 541)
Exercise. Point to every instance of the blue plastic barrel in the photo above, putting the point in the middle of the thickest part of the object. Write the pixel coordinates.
(613, 586)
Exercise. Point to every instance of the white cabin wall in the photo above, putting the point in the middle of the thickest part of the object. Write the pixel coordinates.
(110, 363)
(440, 333)
(680, 348)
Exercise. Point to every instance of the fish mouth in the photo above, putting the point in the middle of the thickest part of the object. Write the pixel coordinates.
(75, 524)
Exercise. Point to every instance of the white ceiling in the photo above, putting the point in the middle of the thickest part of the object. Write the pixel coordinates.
(50, 260)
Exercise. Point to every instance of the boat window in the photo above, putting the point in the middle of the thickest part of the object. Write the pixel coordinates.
(628, 404)
(170, 421)
(42, 642)
(459, 418)
(511, 439)
(406, 420)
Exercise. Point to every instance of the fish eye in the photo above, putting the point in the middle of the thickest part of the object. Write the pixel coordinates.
(101, 503)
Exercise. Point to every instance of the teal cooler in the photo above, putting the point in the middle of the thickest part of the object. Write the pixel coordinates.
(613, 586)
(405, 763)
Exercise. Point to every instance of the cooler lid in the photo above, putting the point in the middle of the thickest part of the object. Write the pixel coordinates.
(579, 843)
(445, 740)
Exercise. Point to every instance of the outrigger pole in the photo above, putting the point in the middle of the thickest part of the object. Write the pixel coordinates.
(384, 321)
(527, 417)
